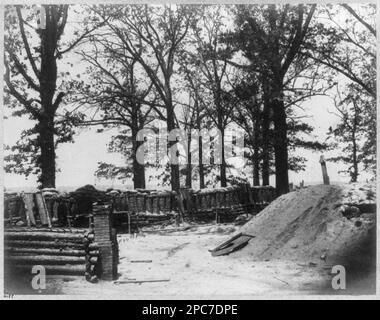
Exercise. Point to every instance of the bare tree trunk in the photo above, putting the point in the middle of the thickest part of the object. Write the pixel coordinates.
(256, 167)
(201, 167)
(223, 177)
(355, 173)
(46, 159)
(265, 145)
(174, 168)
(47, 79)
(189, 165)
(256, 155)
(200, 153)
(280, 143)
(138, 169)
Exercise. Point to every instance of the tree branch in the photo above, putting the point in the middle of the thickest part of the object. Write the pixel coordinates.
(58, 100)
(12, 90)
(352, 11)
(76, 42)
(25, 41)
(298, 39)
(23, 72)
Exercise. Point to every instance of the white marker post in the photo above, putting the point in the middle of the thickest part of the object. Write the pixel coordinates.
(326, 179)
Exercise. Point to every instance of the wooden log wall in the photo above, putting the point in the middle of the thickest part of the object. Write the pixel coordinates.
(157, 202)
(143, 207)
(165, 201)
(60, 251)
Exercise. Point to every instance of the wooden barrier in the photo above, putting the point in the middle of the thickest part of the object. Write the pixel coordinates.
(59, 251)
(90, 252)
(139, 208)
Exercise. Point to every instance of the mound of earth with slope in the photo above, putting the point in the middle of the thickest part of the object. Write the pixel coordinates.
(319, 224)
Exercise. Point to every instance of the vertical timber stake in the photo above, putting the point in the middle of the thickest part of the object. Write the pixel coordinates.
(326, 179)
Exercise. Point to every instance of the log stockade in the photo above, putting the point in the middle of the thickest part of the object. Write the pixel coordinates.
(59, 251)
(134, 209)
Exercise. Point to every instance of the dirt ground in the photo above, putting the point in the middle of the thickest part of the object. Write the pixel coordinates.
(183, 260)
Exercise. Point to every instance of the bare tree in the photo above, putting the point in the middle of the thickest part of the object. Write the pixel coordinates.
(31, 55)
(118, 96)
(271, 37)
(195, 112)
(348, 48)
(159, 31)
(209, 58)
(349, 131)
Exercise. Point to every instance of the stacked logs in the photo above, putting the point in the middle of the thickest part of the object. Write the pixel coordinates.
(92, 255)
(60, 251)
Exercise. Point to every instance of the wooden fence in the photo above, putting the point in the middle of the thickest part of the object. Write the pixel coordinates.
(141, 207)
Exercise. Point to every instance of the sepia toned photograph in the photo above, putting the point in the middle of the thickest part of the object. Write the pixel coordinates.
(189, 151)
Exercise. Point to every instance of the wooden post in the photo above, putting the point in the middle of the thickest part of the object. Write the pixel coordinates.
(27, 198)
(326, 179)
(42, 209)
(251, 199)
(181, 206)
(7, 212)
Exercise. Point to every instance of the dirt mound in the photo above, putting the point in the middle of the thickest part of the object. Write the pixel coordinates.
(331, 224)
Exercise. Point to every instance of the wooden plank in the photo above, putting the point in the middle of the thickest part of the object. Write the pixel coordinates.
(232, 246)
(27, 198)
(235, 243)
(7, 211)
(226, 242)
(42, 209)
(55, 210)
(20, 209)
(140, 281)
